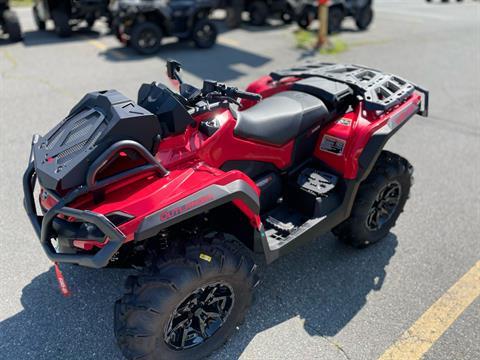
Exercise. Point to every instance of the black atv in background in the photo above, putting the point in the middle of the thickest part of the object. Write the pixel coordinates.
(9, 23)
(260, 10)
(142, 24)
(68, 13)
(360, 10)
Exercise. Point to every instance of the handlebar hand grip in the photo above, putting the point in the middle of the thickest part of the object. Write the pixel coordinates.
(248, 95)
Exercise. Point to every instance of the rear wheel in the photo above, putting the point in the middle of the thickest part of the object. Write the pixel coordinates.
(189, 304)
(204, 34)
(38, 21)
(335, 19)
(380, 200)
(12, 26)
(90, 22)
(288, 15)
(234, 11)
(146, 38)
(258, 11)
(364, 17)
(306, 17)
(61, 22)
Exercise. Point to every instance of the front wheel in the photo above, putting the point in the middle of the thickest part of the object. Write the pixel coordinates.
(204, 34)
(380, 200)
(189, 304)
(364, 17)
(146, 38)
(306, 17)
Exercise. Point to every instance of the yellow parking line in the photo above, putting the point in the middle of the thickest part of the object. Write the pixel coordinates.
(417, 340)
(98, 44)
(228, 41)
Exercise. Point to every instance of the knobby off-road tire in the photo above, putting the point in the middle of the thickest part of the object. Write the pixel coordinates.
(336, 14)
(61, 22)
(146, 38)
(157, 299)
(204, 34)
(258, 12)
(288, 15)
(364, 17)
(234, 11)
(306, 18)
(390, 180)
(41, 25)
(12, 26)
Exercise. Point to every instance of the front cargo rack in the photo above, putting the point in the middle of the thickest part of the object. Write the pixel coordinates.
(42, 224)
(380, 91)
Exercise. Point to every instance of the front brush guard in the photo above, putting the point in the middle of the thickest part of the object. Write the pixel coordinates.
(43, 224)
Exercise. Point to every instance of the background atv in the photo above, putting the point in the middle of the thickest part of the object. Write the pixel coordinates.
(360, 10)
(68, 13)
(143, 24)
(260, 10)
(185, 186)
(9, 23)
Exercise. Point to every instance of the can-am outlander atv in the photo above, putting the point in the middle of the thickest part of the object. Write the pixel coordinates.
(9, 23)
(142, 24)
(185, 186)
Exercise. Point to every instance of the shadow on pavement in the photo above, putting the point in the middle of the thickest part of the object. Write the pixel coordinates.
(38, 38)
(325, 283)
(217, 63)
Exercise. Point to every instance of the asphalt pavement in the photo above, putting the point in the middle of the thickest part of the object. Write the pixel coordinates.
(325, 300)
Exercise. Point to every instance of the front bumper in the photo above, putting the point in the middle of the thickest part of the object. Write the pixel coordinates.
(44, 229)
(43, 224)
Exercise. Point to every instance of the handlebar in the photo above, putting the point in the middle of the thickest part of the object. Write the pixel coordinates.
(212, 87)
(248, 95)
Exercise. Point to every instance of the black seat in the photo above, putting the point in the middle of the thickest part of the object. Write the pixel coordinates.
(281, 117)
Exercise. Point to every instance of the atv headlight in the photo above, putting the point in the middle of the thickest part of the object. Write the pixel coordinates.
(118, 218)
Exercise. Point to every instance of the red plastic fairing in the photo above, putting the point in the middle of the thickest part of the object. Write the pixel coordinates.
(219, 148)
(266, 87)
(352, 132)
(143, 195)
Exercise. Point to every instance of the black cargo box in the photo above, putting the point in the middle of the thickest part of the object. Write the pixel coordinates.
(100, 119)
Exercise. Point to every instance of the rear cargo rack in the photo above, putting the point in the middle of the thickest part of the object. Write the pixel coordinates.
(380, 91)
(43, 224)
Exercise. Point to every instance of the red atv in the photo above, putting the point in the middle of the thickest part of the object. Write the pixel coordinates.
(186, 186)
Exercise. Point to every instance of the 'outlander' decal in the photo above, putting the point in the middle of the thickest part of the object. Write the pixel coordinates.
(168, 214)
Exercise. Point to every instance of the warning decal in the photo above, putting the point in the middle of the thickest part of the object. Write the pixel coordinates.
(332, 145)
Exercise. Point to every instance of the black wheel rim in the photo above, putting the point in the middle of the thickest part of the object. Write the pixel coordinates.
(199, 316)
(147, 39)
(204, 33)
(384, 206)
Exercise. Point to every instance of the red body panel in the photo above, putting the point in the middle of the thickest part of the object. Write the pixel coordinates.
(355, 129)
(220, 147)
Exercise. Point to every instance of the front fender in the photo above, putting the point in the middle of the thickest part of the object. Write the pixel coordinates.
(203, 200)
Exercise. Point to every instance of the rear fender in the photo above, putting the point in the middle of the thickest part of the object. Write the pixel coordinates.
(351, 144)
